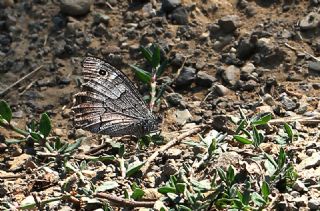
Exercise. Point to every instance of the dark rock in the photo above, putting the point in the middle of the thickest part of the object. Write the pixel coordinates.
(204, 79)
(250, 85)
(288, 104)
(101, 18)
(231, 75)
(101, 30)
(245, 49)
(314, 204)
(180, 16)
(75, 7)
(221, 90)
(175, 99)
(169, 5)
(5, 39)
(311, 21)
(213, 29)
(59, 21)
(186, 76)
(314, 66)
(229, 23)
(222, 123)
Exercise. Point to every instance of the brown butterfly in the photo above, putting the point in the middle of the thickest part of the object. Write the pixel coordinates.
(110, 104)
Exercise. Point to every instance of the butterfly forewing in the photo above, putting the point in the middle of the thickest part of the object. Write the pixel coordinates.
(109, 103)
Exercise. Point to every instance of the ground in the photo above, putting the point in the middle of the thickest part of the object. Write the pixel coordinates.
(225, 58)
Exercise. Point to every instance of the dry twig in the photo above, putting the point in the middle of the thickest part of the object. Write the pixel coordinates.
(6, 90)
(175, 141)
(120, 202)
(300, 119)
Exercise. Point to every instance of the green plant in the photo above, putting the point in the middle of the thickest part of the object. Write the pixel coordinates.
(182, 193)
(153, 57)
(211, 144)
(247, 131)
(280, 172)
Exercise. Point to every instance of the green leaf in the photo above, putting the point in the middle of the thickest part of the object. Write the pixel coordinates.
(265, 190)
(203, 185)
(137, 194)
(230, 175)
(166, 189)
(45, 125)
(14, 141)
(156, 57)
(289, 132)
(5, 111)
(162, 67)
(122, 150)
(222, 175)
(263, 120)
(180, 187)
(35, 136)
(281, 158)
(75, 145)
(142, 75)
(242, 139)
(270, 165)
(241, 126)
(257, 137)
(83, 165)
(108, 185)
(257, 199)
(183, 208)
(134, 168)
(103, 158)
(146, 53)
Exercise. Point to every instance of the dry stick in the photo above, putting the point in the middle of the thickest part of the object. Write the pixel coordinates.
(175, 141)
(12, 176)
(120, 202)
(302, 120)
(20, 80)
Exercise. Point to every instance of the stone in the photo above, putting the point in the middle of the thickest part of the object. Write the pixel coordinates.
(221, 90)
(186, 76)
(250, 85)
(314, 66)
(180, 16)
(231, 75)
(182, 116)
(173, 153)
(309, 162)
(310, 21)
(299, 186)
(204, 79)
(176, 99)
(229, 23)
(301, 201)
(314, 204)
(101, 18)
(245, 49)
(170, 168)
(169, 5)
(75, 7)
(288, 104)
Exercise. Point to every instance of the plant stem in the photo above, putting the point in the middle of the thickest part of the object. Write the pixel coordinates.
(153, 86)
(8, 126)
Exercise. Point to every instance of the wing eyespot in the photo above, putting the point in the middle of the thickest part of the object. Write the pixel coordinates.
(102, 72)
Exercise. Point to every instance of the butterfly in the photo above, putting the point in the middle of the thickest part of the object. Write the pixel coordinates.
(110, 104)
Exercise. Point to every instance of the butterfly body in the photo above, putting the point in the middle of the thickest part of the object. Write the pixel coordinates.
(110, 104)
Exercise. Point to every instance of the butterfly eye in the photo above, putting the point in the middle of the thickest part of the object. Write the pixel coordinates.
(102, 72)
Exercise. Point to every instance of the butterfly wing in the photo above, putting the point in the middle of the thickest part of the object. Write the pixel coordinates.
(109, 102)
